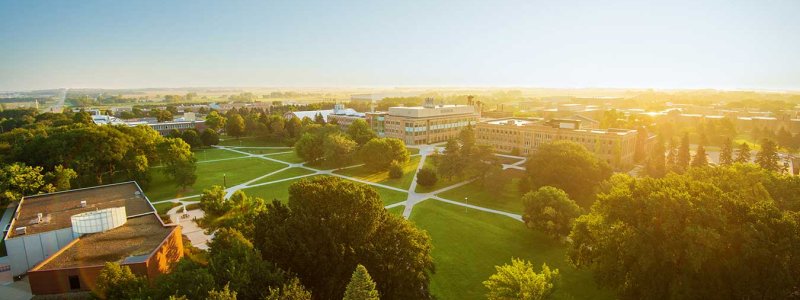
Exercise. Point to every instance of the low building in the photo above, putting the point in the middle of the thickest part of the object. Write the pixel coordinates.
(523, 136)
(344, 117)
(62, 240)
(428, 124)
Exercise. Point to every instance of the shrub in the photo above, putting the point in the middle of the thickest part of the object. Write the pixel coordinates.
(426, 177)
(395, 170)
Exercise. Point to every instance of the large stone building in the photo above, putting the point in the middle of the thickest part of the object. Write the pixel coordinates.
(523, 136)
(428, 124)
(62, 240)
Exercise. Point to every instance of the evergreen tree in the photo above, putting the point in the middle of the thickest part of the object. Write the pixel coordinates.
(684, 156)
(743, 153)
(726, 154)
(319, 119)
(768, 157)
(361, 286)
(700, 157)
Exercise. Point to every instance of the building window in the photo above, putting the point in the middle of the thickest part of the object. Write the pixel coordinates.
(74, 282)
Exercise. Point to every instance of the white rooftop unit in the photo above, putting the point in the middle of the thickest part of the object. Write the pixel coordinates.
(99, 221)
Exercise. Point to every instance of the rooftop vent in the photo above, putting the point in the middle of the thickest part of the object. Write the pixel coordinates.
(83, 203)
(39, 218)
(20, 230)
(137, 194)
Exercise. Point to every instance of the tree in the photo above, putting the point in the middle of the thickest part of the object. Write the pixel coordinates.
(179, 162)
(570, 167)
(682, 161)
(395, 170)
(215, 121)
(319, 238)
(360, 132)
(61, 177)
(163, 115)
(677, 244)
(451, 164)
(310, 147)
(700, 157)
(640, 152)
(224, 294)
(361, 286)
(82, 117)
(426, 177)
(191, 137)
(289, 291)
(743, 153)
(656, 163)
(550, 210)
(519, 281)
(118, 282)
(294, 127)
(784, 138)
(379, 153)
(18, 180)
(235, 126)
(209, 137)
(234, 261)
(726, 153)
(186, 278)
(339, 149)
(319, 119)
(768, 157)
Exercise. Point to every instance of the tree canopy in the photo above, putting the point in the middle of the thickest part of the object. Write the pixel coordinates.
(550, 210)
(569, 167)
(519, 281)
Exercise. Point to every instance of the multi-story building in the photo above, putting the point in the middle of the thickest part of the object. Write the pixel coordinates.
(62, 240)
(523, 136)
(429, 123)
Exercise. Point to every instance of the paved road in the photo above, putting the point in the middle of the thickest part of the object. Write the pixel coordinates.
(59, 105)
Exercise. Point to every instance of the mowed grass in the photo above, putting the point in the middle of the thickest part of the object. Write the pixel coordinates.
(391, 196)
(382, 177)
(288, 173)
(264, 151)
(213, 153)
(291, 158)
(413, 151)
(462, 264)
(397, 210)
(209, 174)
(164, 207)
(248, 141)
(274, 191)
(506, 199)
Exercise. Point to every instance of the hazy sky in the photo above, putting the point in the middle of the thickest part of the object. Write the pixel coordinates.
(669, 44)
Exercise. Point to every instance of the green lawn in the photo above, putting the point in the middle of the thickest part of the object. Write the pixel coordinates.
(212, 153)
(248, 141)
(430, 163)
(291, 158)
(467, 246)
(413, 151)
(164, 207)
(265, 151)
(291, 172)
(391, 196)
(209, 174)
(397, 210)
(382, 177)
(278, 190)
(508, 199)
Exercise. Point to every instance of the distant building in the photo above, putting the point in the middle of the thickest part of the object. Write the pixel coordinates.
(428, 124)
(62, 240)
(186, 122)
(344, 117)
(375, 97)
(524, 136)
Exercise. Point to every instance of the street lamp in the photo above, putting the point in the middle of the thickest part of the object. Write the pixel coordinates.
(465, 202)
(224, 181)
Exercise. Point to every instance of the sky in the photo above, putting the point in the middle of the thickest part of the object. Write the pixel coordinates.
(561, 44)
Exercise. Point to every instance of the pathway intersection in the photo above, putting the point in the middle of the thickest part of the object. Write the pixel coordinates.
(179, 213)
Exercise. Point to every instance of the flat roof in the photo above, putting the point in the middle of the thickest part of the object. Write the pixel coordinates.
(516, 122)
(57, 208)
(140, 236)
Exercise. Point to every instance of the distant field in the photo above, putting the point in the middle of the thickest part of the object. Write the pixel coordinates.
(507, 199)
(208, 174)
(382, 177)
(468, 244)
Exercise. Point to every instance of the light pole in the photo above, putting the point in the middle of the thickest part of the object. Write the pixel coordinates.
(465, 202)
(224, 181)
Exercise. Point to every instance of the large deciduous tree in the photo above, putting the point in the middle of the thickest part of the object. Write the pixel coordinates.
(360, 132)
(320, 238)
(708, 234)
(339, 149)
(519, 281)
(234, 261)
(179, 162)
(235, 125)
(215, 121)
(570, 167)
(379, 153)
(550, 210)
(118, 282)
